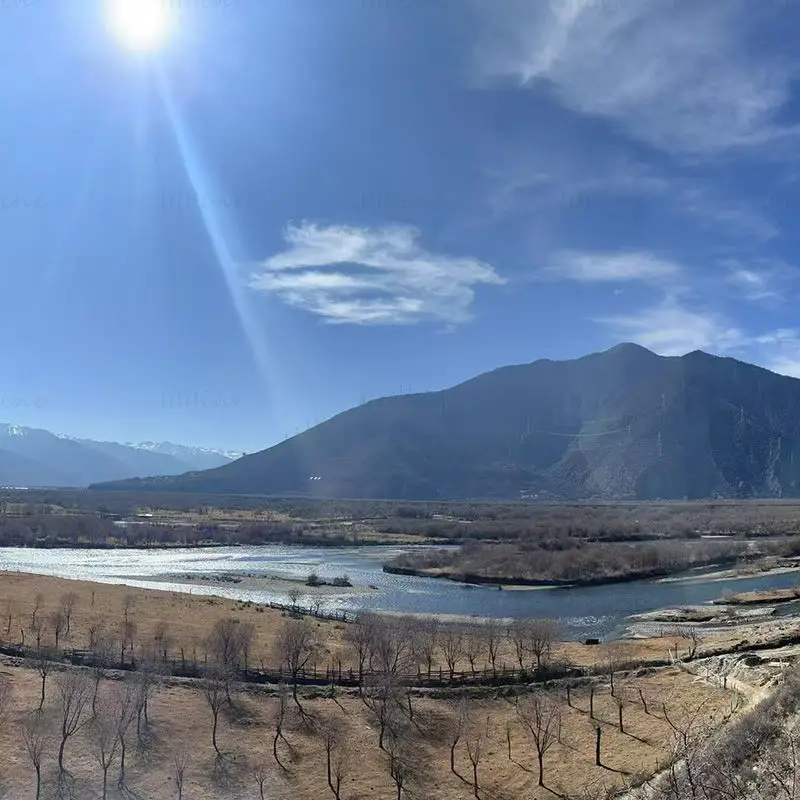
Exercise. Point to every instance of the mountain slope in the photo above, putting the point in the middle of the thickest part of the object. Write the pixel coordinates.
(34, 457)
(625, 423)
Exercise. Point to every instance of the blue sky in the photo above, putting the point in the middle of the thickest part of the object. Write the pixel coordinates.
(295, 205)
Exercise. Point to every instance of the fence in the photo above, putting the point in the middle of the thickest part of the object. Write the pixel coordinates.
(334, 674)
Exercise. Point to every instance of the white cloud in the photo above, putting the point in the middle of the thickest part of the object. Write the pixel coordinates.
(672, 329)
(371, 276)
(680, 75)
(761, 279)
(598, 267)
(780, 351)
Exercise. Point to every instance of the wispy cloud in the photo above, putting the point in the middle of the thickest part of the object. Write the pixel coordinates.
(530, 185)
(679, 75)
(371, 276)
(599, 267)
(780, 351)
(761, 279)
(672, 329)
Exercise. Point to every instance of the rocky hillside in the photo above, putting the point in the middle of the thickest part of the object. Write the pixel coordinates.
(625, 423)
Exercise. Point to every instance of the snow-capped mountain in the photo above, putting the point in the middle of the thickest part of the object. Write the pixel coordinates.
(35, 457)
(207, 456)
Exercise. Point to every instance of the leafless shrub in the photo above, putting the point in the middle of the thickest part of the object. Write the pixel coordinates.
(296, 646)
(68, 602)
(452, 646)
(74, 693)
(35, 740)
(541, 715)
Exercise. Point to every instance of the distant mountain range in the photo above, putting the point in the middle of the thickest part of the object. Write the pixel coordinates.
(622, 424)
(31, 457)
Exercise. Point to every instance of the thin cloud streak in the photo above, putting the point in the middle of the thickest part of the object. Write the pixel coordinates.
(672, 329)
(598, 267)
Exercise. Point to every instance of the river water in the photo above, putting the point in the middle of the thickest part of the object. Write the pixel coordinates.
(584, 611)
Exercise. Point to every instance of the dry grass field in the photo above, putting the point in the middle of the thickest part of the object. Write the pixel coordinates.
(180, 723)
(417, 751)
(189, 618)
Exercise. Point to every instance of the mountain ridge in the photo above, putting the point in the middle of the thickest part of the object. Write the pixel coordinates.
(624, 423)
(38, 457)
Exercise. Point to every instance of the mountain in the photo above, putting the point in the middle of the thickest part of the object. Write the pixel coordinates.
(622, 424)
(33, 457)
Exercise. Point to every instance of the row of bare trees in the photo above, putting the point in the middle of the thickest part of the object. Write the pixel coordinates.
(396, 646)
(73, 706)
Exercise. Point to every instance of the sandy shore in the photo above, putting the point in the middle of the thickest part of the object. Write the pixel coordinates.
(730, 574)
(274, 584)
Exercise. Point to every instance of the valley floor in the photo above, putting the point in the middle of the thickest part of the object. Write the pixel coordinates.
(657, 694)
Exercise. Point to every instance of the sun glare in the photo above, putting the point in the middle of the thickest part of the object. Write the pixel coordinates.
(139, 25)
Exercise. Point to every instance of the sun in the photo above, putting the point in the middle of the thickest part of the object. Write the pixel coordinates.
(139, 25)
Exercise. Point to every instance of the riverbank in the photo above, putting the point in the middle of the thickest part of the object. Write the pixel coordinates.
(757, 569)
(704, 574)
(272, 584)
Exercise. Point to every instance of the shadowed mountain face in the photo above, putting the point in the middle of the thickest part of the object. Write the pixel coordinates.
(625, 423)
(34, 457)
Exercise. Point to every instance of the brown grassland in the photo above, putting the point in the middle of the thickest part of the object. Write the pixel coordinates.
(180, 718)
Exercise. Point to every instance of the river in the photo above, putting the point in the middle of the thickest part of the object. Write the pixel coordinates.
(582, 611)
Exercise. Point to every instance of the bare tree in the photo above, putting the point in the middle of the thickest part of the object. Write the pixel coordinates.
(6, 696)
(260, 775)
(247, 634)
(474, 646)
(105, 740)
(540, 713)
(181, 764)
(35, 739)
(280, 716)
(74, 692)
(613, 662)
(335, 739)
(393, 653)
(214, 693)
(297, 645)
(224, 645)
(518, 633)
(452, 645)
(38, 602)
(10, 609)
(425, 642)
(125, 695)
(57, 622)
(456, 729)
(383, 698)
(475, 739)
(620, 699)
(103, 648)
(493, 635)
(162, 640)
(294, 597)
(542, 633)
(360, 638)
(145, 682)
(128, 607)
(400, 747)
(68, 603)
(127, 638)
(692, 633)
(44, 664)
